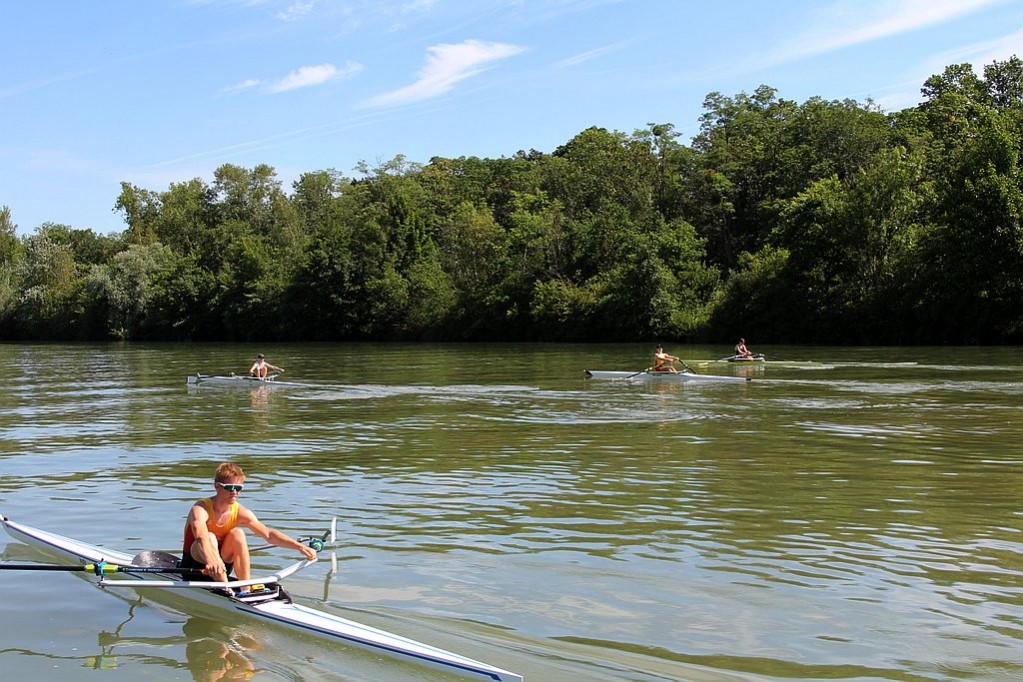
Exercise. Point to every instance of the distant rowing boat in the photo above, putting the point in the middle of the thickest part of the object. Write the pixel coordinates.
(759, 359)
(649, 375)
(240, 380)
(274, 605)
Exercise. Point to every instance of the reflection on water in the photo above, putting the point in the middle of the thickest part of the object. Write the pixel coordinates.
(853, 519)
(212, 651)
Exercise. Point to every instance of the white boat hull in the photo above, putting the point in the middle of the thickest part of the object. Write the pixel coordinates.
(239, 380)
(280, 610)
(661, 376)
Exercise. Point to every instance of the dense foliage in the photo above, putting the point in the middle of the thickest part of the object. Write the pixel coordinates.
(823, 221)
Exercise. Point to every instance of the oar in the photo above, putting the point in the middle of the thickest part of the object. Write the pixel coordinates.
(102, 568)
(687, 366)
(637, 373)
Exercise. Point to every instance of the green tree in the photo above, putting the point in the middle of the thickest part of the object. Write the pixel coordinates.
(846, 245)
(1004, 81)
(315, 196)
(561, 310)
(756, 152)
(761, 295)
(50, 299)
(129, 285)
(251, 289)
(475, 256)
(9, 244)
(738, 144)
(10, 253)
(971, 254)
(602, 167)
(140, 209)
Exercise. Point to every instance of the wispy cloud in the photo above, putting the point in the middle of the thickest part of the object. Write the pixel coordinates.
(980, 54)
(43, 82)
(239, 87)
(844, 24)
(577, 59)
(250, 147)
(308, 76)
(296, 10)
(417, 5)
(446, 65)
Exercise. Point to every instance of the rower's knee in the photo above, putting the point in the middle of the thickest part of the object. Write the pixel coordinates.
(237, 535)
(234, 544)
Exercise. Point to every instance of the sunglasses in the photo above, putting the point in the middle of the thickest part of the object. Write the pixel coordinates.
(232, 487)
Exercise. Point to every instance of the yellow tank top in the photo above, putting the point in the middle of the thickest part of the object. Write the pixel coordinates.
(211, 524)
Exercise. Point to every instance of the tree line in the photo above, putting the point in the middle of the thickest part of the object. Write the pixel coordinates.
(813, 222)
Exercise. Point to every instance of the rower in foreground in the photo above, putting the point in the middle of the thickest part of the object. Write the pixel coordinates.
(214, 540)
(154, 570)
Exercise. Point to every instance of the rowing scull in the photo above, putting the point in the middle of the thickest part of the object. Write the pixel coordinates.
(760, 360)
(276, 607)
(646, 375)
(241, 380)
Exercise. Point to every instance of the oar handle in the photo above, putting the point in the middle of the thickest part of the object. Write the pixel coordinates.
(329, 538)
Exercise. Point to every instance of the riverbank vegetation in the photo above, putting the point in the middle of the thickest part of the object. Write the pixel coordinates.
(785, 222)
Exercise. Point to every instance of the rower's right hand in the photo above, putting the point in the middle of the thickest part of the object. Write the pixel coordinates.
(217, 570)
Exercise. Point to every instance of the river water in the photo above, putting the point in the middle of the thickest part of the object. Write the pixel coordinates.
(855, 519)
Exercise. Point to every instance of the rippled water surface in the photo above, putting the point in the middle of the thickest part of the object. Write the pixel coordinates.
(855, 517)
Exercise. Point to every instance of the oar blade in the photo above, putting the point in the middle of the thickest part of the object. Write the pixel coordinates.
(156, 559)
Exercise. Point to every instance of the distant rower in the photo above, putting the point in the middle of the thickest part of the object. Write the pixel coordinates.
(663, 361)
(260, 367)
(742, 351)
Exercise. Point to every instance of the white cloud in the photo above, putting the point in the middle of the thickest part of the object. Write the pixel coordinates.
(981, 54)
(844, 24)
(446, 65)
(308, 76)
(296, 10)
(577, 59)
(43, 82)
(238, 87)
(418, 5)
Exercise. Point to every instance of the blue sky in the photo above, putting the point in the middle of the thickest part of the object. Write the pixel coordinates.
(159, 91)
